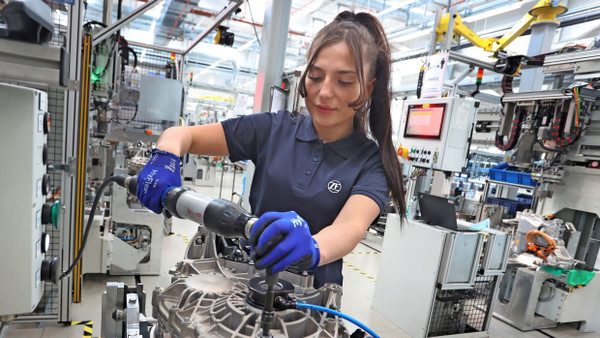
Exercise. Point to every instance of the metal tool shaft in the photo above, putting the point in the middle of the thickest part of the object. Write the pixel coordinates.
(267, 315)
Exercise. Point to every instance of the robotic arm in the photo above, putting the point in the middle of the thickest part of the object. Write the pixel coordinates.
(544, 10)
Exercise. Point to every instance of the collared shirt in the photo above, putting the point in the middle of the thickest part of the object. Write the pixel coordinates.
(296, 171)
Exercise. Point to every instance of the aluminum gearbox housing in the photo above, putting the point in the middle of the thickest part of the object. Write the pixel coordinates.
(216, 296)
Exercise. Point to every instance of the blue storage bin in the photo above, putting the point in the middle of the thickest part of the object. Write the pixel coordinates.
(504, 173)
(524, 198)
(497, 173)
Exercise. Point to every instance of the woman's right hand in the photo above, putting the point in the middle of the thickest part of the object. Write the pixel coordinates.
(161, 172)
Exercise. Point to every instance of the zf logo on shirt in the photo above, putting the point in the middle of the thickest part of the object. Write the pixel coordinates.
(334, 186)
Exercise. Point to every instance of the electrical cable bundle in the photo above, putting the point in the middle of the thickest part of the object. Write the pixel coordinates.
(564, 142)
(417, 173)
(506, 84)
(515, 131)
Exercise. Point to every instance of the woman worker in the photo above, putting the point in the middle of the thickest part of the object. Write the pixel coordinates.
(320, 180)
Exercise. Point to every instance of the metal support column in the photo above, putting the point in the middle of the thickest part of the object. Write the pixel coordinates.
(273, 44)
(73, 45)
(450, 31)
(542, 34)
(107, 11)
(459, 78)
(181, 64)
(434, 34)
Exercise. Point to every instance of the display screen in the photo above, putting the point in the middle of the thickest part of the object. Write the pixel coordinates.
(425, 120)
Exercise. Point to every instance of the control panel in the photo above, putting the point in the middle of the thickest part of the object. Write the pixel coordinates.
(24, 267)
(422, 155)
(435, 133)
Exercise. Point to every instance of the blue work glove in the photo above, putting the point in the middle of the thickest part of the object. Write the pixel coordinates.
(161, 172)
(281, 239)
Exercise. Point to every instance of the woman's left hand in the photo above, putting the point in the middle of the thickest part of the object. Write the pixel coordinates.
(281, 239)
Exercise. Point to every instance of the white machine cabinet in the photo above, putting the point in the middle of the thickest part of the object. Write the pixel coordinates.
(24, 127)
(430, 282)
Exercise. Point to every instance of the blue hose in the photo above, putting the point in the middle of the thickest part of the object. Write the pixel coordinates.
(336, 313)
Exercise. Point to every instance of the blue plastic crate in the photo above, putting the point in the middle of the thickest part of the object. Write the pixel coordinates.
(524, 198)
(511, 206)
(504, 173)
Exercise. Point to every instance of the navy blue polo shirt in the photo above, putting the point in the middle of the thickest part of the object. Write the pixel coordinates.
(296, 171)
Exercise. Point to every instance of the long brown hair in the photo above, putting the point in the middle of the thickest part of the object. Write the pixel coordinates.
(366, 38)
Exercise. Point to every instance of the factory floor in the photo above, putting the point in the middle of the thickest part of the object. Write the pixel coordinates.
(360, 274)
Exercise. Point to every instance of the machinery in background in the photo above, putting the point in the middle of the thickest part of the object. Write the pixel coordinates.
(23, 138)
(130, 110)
(159, 107)
(200, 170)
(128, 240)
(29, 21)
(554, 138)
(435, 137)
(139, 232)
(542, 11)
(541, 127)
(101, 161)
(544, 284)
(541, 17)
(487, 123)
(437, 132)
(126, 104)
(124, 311)
(452, 288)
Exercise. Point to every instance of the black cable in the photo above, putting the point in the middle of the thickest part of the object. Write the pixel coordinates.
(545, 334)
(134, 115)
(88, 226)
(420, 82)
(117, 120)
(134, 56)
(94, 22)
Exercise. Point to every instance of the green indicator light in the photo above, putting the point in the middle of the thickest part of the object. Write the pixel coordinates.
(56, 214)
